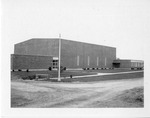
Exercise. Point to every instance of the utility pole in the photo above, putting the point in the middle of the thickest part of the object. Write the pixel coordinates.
(59, 60)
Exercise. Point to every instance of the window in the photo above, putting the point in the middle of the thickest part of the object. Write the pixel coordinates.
(78, 60)
(88, 60)
(105, 61)
(97, 61)
(55, 63)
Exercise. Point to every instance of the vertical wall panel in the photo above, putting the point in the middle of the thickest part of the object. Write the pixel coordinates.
(97, 61)
(78, 60)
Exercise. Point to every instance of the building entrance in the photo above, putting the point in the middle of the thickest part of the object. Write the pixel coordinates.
(116, 65)
(55, 62)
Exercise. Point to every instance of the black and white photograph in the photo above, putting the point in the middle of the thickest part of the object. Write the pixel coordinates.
(75, 57)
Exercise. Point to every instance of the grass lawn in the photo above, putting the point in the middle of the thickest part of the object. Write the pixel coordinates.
(111, 70)
(104, 77)
(53, 74)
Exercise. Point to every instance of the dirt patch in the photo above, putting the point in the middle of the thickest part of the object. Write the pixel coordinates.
(18, 99)
(45, 94)
(132, 98)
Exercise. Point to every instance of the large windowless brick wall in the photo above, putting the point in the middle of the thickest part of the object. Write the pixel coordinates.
(73, 54)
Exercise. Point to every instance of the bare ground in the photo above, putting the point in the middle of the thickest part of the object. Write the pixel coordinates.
(39, 94)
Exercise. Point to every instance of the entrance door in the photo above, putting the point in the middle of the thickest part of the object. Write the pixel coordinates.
(116, 65)
(55, 62)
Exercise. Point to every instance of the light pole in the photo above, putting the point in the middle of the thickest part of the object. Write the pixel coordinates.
(59, 60)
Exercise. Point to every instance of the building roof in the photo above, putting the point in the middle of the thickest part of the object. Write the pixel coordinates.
(131, 60)
(46, 39)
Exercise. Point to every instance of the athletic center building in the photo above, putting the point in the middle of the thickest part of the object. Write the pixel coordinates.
(41, 53)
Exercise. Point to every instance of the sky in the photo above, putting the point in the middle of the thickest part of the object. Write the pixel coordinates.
(123, 24)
